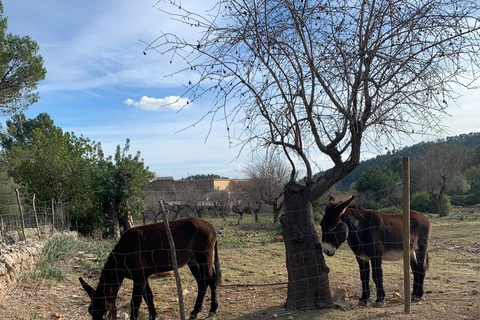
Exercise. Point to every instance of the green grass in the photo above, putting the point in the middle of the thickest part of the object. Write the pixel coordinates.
(61, 249)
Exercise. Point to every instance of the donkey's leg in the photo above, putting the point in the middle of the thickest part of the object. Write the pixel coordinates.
(137, 294)
(365, 278)
(377, 275)
(419, 267)
(199, 274)
(148, 297)
(213, 280)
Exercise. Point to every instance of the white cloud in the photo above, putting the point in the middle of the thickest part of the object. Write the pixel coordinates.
(170, 102)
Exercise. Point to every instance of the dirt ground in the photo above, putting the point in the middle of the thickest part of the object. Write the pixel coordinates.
(253, 285)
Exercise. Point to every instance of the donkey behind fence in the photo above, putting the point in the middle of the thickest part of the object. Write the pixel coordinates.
(375, 236)
(145, 250)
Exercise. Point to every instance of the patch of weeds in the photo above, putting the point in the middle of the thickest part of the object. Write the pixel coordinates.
(46, 270)
(233, 239)
(278, 229)
(57, 250)
(101, 248)
(63, 246)
(317, 216)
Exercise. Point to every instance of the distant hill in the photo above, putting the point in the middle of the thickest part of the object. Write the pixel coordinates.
(470, 141)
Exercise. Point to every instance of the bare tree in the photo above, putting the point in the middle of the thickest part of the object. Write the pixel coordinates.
(244, 198)
(270, 175)
(220, 201)
(314, 78)
(440, 171)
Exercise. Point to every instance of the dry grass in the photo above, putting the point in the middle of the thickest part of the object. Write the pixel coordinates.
(253, 266)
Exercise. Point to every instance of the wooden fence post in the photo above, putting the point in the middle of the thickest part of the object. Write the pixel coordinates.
(36, 217)
(21, 215)
(53, 218)
(406, 233)
(174, 261)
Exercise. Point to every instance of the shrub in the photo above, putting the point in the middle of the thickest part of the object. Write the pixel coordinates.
(469, 200)
(423, 202)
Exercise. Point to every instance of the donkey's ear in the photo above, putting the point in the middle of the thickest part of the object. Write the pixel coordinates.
(90, 291)
(341, 207)
(331, 199)
(346, 203)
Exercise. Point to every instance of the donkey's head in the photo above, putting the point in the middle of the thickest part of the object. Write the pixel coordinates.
(334, 230)
(102, 306)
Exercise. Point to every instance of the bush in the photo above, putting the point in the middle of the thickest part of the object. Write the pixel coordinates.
(423, 202)
(469, 200)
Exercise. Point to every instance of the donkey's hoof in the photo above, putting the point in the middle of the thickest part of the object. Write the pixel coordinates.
(192, 317)
(362, 303)
(416, 299)
(379, 304)
(211, 315)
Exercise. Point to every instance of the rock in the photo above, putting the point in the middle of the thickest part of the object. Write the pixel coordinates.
(90, 257)
(124, 316)
(57, 316)
(17, 258)
(344, 305)
(396, 298)
(11, 237)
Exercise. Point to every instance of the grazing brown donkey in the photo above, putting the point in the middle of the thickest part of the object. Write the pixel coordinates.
(375, 236)
(145, 250)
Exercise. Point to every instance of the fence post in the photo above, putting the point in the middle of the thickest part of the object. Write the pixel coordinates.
(36, 217)
(406, 233)
(53, 218)
(21, 215)
(174, 261)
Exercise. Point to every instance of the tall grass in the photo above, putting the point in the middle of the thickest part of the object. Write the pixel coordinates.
(61, 249)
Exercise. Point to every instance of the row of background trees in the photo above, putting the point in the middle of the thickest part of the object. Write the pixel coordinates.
(442, 173)
(99, 191)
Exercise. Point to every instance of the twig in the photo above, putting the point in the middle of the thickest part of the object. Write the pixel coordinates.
(253, 284)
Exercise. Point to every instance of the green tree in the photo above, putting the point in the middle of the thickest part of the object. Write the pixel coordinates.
(54, 165)
(7, 193)
(119, 182)
(439, 171)
(378, 186)
(50, 163)
(21, 68)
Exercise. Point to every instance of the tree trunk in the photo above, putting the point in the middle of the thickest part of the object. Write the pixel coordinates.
(128, 223)
(109, 207)
(276, 212)
(115, 224)
(308, 286)
(438, 201)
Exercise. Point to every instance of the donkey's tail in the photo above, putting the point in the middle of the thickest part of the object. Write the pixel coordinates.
(218, 272)
(427, 262)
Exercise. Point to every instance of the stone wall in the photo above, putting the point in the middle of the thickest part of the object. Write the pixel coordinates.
(17, 257)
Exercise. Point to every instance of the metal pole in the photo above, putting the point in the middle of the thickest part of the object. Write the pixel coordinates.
(406, 233)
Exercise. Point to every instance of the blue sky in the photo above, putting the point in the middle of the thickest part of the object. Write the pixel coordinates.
(100, 85)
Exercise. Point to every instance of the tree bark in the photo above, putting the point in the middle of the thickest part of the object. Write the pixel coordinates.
(441, 210)
(308, 285)
(128, 223)
(109, 208)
